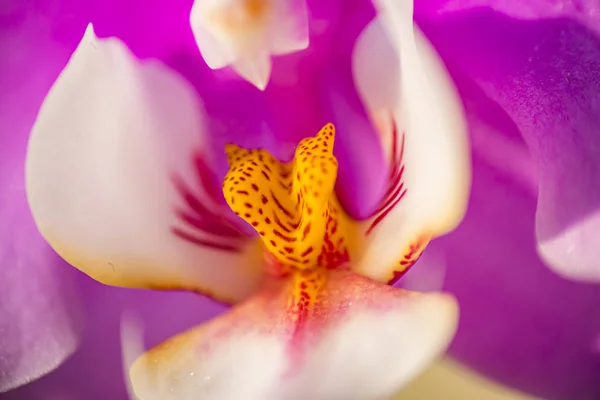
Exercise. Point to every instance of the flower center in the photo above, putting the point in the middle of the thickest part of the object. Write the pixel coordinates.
(293, 208)
(240, 18)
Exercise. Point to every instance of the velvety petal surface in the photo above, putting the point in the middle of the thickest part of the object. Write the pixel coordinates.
(545, 74)
(363, 341)
(39, 313)
(119, 179)
(585, 11)
(521, 324)
(39, 304)
(95, 371)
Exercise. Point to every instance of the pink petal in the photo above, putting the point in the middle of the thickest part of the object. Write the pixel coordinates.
(521, 324)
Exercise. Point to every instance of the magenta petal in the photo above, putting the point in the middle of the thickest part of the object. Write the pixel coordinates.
(294, 104)
(361, 173)
(546, 75)
(39, 306)
(585, 11)
(520, 323)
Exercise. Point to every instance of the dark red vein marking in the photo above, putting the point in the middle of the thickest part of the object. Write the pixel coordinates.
(396, 190)
(207, 180)
(193, 202)
(208, 227)
(203, 242)
(202, 219)
(391, 198)
(200, 209)
(384, 213)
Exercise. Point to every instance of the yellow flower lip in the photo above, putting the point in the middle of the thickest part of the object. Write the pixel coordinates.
(292, 205)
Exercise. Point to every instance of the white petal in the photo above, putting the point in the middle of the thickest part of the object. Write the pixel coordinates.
(215, 54)
(256, 70)
(393, 347)
(245, 33)
(365, 346)
(403, 83)
(376, 69)
(289, 27)
(111, 140)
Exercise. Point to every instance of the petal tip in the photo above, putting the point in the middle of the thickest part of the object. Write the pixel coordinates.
(257, 71)
(89, 32)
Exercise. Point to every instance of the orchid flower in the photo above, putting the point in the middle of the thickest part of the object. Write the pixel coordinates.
(120, 182)
(526, 76)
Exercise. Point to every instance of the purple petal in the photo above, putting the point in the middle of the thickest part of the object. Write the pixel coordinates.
(95, 372)
(361, 177)
(546, 75)
(585, 11)
(520, 323)
(39, 306)
(39, 313)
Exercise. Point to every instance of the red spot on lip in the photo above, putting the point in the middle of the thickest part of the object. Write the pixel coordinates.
(409, 259)
(307, 252)
(280, 206)
(282, 236)
(396, 276)
(306, 231)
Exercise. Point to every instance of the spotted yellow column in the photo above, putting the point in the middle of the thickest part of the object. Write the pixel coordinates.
(293, 208)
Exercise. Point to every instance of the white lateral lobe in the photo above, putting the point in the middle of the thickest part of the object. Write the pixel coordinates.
(419, 97)
(109, 138)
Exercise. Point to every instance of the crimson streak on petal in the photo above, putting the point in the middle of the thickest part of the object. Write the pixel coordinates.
(396, 189)
(206, 224)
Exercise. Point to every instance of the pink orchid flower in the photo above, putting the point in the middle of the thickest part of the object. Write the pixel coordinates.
(119, 182)
(528, 79)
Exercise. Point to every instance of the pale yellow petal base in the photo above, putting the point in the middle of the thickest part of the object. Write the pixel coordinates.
(447, 380)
